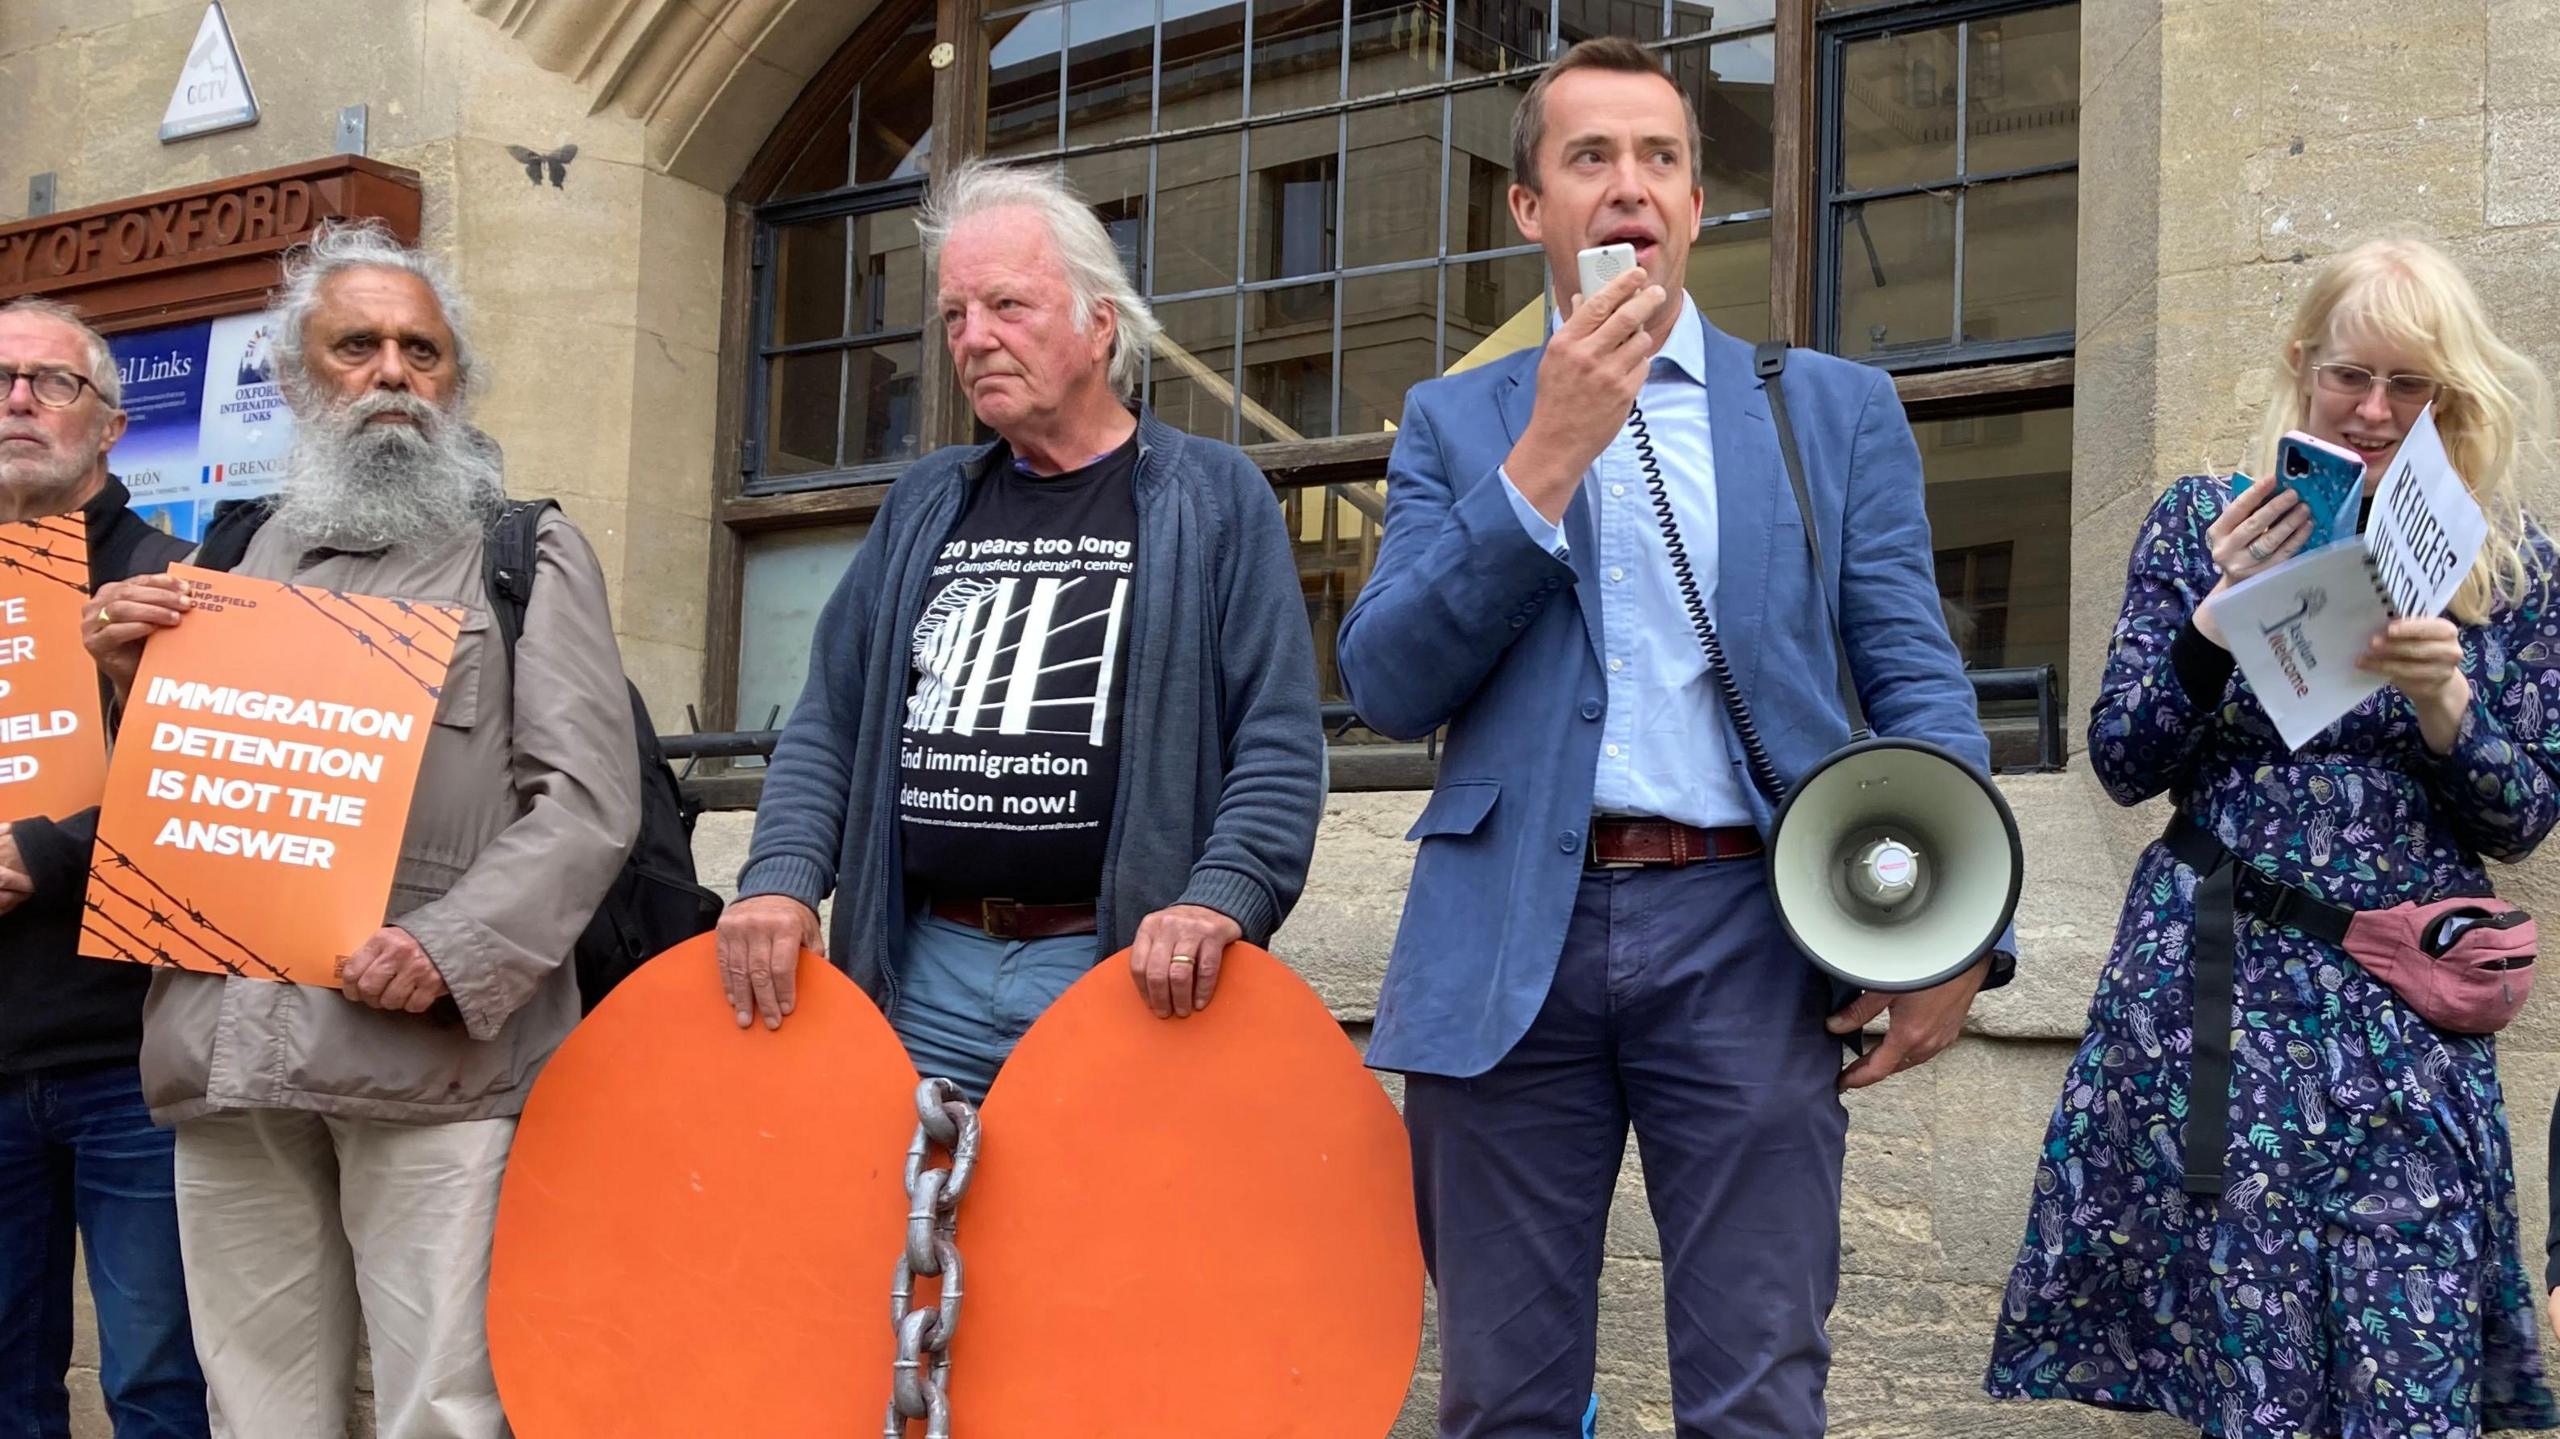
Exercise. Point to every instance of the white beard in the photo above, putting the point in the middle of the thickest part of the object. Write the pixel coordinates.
(35, 486)
(351, 485)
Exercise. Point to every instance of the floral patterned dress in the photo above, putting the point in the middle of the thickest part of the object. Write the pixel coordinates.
(2360, 1274)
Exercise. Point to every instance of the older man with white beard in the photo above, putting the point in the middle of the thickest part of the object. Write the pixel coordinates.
(78, 1152)
(340, 1154)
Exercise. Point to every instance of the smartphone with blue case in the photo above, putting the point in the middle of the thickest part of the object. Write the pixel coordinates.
(2330, 479)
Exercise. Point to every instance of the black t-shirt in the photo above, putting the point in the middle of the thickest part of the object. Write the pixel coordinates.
(1010, 756)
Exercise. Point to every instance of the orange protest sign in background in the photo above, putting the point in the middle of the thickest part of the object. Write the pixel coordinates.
(53, 744)
(1194, 1229)
(262, 778)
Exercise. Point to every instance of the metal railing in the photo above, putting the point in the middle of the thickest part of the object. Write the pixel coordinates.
(2025, 744)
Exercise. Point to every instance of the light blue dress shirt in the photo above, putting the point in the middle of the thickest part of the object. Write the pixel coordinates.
(1663, 751)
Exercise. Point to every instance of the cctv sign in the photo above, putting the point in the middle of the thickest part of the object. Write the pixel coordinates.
(213, 89)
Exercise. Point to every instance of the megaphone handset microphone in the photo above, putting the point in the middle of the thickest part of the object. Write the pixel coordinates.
(1886, 862)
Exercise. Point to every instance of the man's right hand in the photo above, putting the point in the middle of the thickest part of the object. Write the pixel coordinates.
(116, 621)
(16, 885)
(760, 940)
(1588, 380)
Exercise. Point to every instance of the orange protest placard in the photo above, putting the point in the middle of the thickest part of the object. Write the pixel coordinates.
(1234, 1188)
(699, 1221)
(53, 746)
(262, 778)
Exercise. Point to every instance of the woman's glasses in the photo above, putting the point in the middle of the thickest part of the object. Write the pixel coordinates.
(2404, 391)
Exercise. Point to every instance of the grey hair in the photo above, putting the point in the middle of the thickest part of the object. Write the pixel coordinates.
(102, 361)
(334, 249)
(1092, 263)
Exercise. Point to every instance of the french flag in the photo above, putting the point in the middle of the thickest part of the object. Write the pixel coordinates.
(210, 475)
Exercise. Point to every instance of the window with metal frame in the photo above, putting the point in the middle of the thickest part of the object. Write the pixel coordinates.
(1322, 185)
(834, 393)
(1950, 182)
(1314, 195)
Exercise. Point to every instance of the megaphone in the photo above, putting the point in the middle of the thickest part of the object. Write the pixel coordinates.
(1894, 865)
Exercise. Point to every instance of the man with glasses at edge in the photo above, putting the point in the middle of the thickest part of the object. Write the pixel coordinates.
(78, 1151)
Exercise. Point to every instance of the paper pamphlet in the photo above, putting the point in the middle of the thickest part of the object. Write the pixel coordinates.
(2298, 628)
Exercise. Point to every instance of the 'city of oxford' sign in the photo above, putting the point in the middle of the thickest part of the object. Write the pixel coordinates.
(94, 244)
(199, 251)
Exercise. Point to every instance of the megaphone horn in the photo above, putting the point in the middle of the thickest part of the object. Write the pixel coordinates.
(1895, 865)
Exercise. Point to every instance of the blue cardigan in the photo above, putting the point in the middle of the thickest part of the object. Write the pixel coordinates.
(1222, 761)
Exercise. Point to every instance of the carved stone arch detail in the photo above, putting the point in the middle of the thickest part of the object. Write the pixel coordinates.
(708, 79)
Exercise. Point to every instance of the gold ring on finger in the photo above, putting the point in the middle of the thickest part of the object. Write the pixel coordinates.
(1182, 959)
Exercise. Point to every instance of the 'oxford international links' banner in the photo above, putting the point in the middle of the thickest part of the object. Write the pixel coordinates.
(207, 421)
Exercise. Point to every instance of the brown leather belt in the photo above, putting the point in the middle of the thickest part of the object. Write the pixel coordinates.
(1006, 919)
(1638, 843)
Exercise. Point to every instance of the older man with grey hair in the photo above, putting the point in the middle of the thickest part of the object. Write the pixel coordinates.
(79, 1156)
(1062, 703)
(338, 1155)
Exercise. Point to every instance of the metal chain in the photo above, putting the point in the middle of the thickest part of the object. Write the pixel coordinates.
(946, 1120)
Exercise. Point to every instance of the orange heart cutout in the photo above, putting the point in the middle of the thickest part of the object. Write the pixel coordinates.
(699, 1222)
(1188, 1229)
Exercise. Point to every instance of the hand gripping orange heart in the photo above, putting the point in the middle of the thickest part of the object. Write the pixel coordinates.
(1198, 1228)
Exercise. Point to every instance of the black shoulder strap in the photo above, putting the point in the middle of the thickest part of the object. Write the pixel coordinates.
(226, 540)
(1769, 362)
(507, 563)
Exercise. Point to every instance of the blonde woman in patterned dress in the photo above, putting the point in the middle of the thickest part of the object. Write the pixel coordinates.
(2358, 1273)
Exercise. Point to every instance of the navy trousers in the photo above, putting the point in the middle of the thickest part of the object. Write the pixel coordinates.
(1679, 1007)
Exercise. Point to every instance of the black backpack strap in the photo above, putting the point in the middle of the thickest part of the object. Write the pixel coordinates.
(226, 540)
(507, 563)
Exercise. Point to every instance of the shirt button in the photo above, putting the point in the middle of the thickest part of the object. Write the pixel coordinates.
(1591, 709)
(1617, 574)
(1617, 489)
(1568, 841)
(1613, 751)
(1616, 665)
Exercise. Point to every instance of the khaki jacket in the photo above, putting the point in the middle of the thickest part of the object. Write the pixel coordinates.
(527, 801)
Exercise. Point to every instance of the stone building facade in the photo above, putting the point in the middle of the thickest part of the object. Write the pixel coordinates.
(708, 339)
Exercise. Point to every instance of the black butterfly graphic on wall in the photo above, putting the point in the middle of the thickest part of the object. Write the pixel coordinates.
(534, 161)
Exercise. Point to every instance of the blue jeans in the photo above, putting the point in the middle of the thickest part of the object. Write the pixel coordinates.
(78, 1147)
(966, 998)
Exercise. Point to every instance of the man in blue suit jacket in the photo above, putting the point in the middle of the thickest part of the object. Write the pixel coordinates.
(1589, 940)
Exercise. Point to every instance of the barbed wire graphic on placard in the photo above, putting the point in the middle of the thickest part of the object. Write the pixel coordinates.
(67, 567)
(392, 636)
(117, 860)
(147, 953)
(429, 614)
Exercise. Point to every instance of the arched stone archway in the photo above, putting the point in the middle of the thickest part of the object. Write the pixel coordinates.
(607, 301)
(708, 79)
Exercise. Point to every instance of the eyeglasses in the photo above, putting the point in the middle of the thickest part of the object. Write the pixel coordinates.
(2404, 390)
(54, 389)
